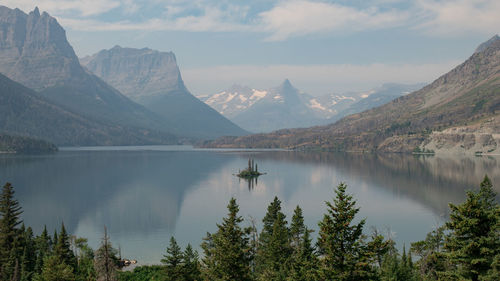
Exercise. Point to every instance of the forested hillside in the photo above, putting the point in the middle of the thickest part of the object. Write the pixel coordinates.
(16, 144)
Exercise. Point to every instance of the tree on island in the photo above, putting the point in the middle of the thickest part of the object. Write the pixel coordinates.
(251, 171)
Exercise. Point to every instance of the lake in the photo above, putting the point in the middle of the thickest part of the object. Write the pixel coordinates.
(144, 195)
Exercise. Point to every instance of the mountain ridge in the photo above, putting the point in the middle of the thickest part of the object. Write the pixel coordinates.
(468, 94)
(26, 113)
(153, 79)
(35, 52)
(237, 103)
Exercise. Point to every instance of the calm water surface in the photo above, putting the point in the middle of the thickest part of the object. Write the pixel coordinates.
(144, 195)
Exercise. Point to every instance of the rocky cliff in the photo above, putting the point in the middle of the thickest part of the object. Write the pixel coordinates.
(137, 73)
(153, 79)
(35, 52)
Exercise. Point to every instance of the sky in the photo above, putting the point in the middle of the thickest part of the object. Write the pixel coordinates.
(323, 47)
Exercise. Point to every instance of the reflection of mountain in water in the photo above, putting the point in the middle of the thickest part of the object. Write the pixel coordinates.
(433, 181)
(131, 192)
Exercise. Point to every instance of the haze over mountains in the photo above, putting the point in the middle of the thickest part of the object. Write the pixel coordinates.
(137, 96)
(153, 79)
(34, 52)
(458, 112)
(287, 107)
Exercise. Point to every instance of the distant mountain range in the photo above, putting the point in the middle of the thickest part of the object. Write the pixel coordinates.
(34, 52)
(153, 79)
(287, 107)
(458, 112)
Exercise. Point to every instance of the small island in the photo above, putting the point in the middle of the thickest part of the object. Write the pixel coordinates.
(251, 172)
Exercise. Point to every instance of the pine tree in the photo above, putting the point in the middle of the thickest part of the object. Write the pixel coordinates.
(85, 260)
(226, 251)
(303, 262)
(191, 266)
(105, 260)
(276, 253)
(173, 261)
(28, 260)
(62, 248)
(341, 242)
(55, 270)
(432, 259)
(474, 240)
(274, 248)
(10, 212)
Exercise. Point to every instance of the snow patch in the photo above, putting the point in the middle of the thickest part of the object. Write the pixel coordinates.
(258, 94)
(230, 97)
(313, 103)
(367, 94)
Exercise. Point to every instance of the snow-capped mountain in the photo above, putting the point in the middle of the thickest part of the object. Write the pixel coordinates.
(284, 106)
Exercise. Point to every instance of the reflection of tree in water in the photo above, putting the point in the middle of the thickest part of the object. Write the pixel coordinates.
(433, 181)
(252, 182)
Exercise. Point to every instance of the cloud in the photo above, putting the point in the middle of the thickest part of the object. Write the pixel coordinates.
(295, 18)
(458, 17)
(313, 79)
(212, 20)
(276, 20)
(83, 7)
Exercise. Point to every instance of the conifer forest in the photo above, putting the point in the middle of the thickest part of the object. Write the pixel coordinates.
(465, 247)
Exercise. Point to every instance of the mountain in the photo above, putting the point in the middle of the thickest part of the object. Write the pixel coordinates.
(265, 110)
(486, 44)
(153, 79)
(458, 112)
(280, 107)
(26, 113)
(376, 97)
(34, 51)
(287, 107)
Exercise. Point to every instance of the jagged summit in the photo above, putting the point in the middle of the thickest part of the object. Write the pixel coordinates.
(35, 51)
(36, 11)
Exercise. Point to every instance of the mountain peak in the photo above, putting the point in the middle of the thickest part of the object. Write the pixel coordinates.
(486, 44)
(34, 41)
(286, 83)
(36, 12)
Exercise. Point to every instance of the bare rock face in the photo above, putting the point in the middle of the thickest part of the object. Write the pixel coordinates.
(34, 50)
(137, 73)
(152, 79)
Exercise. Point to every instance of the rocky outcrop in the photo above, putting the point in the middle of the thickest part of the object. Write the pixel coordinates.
(34, 50)
(481, 138)
(137, 73)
